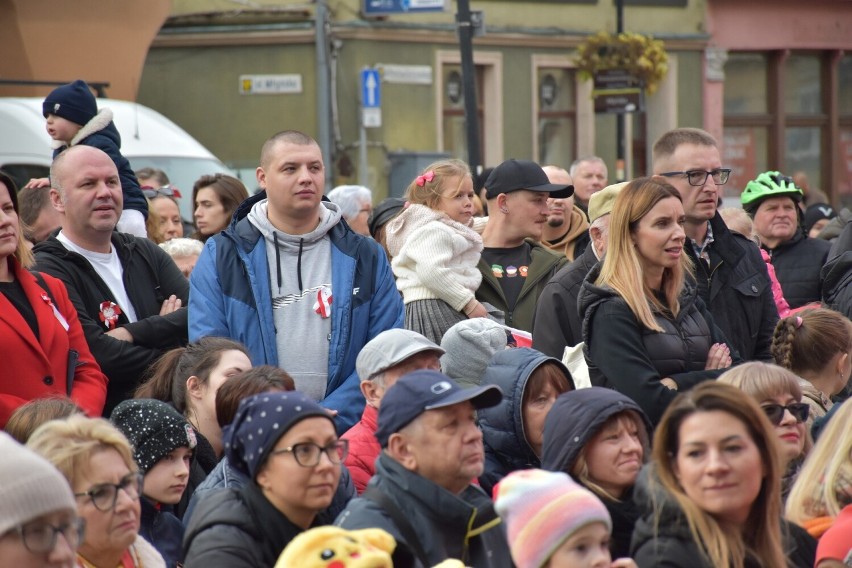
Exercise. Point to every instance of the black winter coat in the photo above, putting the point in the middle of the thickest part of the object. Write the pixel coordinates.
(237, 528)
(624, 355)
(163, 530)
(506, 446)
(837, 274)
(557, 320)
(798, 263)
(572, 422)
(736, 289)
(662, 537)
(150, 276)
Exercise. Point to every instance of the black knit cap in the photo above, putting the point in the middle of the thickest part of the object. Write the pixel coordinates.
(153, 428)
(384, 212)
(74, 102)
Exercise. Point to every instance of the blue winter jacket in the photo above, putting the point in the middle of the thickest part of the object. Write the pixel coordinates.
(230, 297)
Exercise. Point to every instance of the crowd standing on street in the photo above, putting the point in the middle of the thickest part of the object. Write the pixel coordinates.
(591, 376)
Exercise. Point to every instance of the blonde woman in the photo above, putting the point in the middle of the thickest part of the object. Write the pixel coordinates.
(646, 333)
(824, 485)
(713, 491)
(777, 392)
(97, 461)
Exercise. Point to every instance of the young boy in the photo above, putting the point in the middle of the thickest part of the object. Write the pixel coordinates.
(163, 442)
(73, 118)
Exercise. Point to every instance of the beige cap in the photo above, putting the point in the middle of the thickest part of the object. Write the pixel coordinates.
(600, 203)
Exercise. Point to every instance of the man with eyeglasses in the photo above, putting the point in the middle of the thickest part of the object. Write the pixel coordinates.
(422, 493)
(730, 273)
(39, 525)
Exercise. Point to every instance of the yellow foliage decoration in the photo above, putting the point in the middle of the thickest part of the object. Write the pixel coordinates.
(643, 56)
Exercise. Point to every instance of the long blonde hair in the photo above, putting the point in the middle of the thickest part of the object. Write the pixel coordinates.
(722, 544)
(827, 470)
(621, 269)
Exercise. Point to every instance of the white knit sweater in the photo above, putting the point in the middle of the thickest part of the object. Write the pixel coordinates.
(434, 257)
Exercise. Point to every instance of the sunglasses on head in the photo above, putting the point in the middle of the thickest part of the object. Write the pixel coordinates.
(775, 412)
(166, 190)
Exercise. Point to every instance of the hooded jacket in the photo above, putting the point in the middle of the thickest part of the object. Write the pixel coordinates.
(149, 276)
(544, 264)
(504, 436)
(462, 526)
(662, 537)
(624, 355)
(837, 274)
(557, 319)
(101, 133)
(231, 297)
(237, 528)
(576, 238)
(736, 290)
(575, 418)
(798, 263)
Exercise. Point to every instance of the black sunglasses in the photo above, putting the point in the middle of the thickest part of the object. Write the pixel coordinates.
(775, 412)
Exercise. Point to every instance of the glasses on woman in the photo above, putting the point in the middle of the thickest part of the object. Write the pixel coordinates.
(40, 538)
(166, 190)
(775, 412)
(308, 454)
(699, 177)
(105, 495)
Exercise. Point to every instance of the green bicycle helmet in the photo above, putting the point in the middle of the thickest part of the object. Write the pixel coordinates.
(768, 184)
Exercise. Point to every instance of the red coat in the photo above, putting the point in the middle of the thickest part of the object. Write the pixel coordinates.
(363, 448)
(31, 368)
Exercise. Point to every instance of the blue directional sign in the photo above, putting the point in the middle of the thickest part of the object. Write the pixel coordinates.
(377, 7)
(371, 88)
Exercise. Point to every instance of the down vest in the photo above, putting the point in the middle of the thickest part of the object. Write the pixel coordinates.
(797, 265)
(624, 355)
(504, 436)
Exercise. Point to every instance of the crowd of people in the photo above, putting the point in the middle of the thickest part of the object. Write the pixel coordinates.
(527, 367)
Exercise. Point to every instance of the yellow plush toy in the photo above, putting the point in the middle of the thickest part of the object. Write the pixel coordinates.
(333, 547)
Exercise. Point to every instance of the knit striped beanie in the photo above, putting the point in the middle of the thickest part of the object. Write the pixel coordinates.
(542, 509)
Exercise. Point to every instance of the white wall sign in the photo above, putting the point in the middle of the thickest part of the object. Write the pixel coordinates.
(406, 74)
(270, 84)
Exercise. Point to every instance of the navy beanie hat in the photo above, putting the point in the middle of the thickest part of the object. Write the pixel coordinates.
(153, 428)
(74, 102)
(260, 422)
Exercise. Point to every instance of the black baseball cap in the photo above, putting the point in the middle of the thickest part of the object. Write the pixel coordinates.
(419, 391)
(513, 175)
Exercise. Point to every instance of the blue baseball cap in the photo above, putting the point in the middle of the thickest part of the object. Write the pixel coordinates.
(419, 391)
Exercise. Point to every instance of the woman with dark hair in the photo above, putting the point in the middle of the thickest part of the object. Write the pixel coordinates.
(42, 346)
(288, 447)
(601, 438)
(513, 431)
(646, 332)
(215, 197)
(714, 488)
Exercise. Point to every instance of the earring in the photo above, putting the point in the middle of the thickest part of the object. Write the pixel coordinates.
(504, 210)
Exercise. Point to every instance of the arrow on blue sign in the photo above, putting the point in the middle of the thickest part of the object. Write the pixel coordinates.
(371, 96)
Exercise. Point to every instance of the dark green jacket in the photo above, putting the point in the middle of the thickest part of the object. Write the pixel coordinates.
(543, 266)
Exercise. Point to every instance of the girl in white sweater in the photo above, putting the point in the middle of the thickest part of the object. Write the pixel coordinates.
(435, 248)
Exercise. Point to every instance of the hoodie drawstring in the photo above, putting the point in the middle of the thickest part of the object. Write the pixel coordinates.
(277, 258)
(299, 265)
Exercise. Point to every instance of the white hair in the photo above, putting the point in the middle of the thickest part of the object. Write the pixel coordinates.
(572, 170)
(182, 247)
(350, 199)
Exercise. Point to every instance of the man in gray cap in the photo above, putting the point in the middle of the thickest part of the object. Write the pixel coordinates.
(383, 360)
(422, 493)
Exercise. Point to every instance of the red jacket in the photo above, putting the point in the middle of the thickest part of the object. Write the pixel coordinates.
(31, 368)
(363, 448)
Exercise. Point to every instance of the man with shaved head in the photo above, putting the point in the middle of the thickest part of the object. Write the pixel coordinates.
(292, 283)
(127, 291)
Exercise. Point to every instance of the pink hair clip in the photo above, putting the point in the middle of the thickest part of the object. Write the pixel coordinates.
(425, 178)
(798, 322)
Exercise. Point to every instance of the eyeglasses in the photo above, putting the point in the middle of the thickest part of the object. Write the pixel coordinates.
(166, 190)
(775, 412)
(41, 538)
(308, 453)
(105, 495)
(699, 177)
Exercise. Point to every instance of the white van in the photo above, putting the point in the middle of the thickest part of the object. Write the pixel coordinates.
(148, 139)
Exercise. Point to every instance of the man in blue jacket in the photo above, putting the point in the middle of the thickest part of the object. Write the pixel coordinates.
(291, 281)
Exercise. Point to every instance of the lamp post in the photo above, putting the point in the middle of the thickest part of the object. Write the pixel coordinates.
(620, 118)
(324, 91)
(471, 116)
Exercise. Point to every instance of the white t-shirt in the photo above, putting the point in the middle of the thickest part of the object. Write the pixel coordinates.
(108, 266)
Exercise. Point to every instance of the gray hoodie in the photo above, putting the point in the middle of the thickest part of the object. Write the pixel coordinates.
(299, 275)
